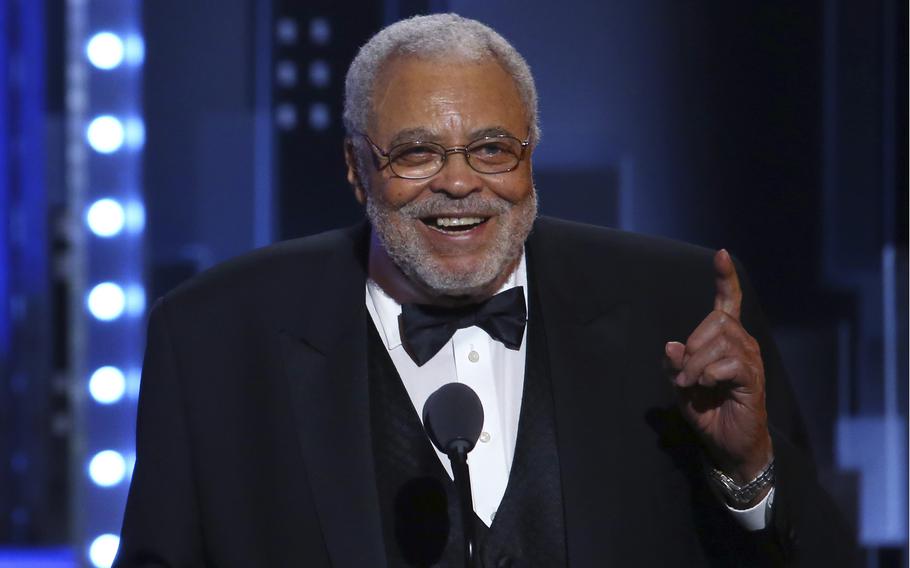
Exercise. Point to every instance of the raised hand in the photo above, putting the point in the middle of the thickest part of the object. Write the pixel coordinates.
(720, 378)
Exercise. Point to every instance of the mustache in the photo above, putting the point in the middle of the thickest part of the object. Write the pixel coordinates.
(439, 204)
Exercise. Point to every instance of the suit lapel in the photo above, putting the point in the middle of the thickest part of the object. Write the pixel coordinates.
(586, 344)
(325, 359)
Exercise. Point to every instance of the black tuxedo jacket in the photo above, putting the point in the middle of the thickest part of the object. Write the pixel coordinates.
(253, 437)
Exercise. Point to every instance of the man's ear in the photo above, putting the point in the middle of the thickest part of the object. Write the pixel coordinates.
(350, 158)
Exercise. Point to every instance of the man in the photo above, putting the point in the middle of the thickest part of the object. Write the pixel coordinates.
(640, 417)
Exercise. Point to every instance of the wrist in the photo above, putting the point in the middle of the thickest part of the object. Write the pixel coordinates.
(745, 472)
(743, 495)
(759, 497)
(742, 471)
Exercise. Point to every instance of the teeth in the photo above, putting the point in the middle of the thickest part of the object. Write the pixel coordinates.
(457, 221)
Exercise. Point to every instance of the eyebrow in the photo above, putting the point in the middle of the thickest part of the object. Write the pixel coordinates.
(429, 135)
(412, 134)
(491, 131)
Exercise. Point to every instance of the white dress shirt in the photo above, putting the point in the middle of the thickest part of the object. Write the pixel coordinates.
(496, 373)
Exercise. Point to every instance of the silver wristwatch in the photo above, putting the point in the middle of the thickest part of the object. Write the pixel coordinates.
(742, 495)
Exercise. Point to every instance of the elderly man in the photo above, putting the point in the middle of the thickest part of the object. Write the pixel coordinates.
(636, 411)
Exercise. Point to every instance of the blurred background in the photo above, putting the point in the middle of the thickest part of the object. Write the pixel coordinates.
(142, 142)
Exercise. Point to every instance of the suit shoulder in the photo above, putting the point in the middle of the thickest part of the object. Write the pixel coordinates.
(270, 270)
(670, 284)
(577, 241)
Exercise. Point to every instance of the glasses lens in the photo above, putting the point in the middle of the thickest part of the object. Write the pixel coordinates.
(495, 154)
(416, 159)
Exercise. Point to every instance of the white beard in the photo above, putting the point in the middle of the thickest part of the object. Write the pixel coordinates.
(406, 247)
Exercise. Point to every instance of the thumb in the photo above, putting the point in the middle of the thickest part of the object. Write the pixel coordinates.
(729, 296)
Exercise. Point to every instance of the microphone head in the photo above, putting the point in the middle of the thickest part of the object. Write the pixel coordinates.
(453, 418)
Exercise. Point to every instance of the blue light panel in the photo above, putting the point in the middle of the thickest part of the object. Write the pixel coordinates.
(104, 159)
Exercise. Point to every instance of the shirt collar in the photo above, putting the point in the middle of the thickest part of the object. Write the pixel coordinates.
(385, 310)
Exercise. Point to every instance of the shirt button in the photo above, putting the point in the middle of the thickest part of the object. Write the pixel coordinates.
(473, 356)
(484, 437)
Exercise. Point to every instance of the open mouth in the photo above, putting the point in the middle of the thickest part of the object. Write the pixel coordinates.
(454, 224)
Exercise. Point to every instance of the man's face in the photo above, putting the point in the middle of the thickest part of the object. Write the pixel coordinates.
(451, 104)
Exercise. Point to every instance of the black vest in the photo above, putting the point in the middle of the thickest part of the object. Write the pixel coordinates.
(419, 503)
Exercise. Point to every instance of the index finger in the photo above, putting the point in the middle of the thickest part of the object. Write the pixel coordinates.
(729, 296)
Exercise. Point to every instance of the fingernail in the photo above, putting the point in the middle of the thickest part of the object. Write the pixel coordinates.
(680, 379)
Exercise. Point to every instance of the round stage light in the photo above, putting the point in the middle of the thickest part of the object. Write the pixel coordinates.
(107, 468)
(286, 73)
(320, 73)
(106, 217)
(286, 31)
(319, 116)
(105, 50)
(106, 301)
(286, 116)
(320, 31)
(107, 385)
(103, 550)
(105, 134)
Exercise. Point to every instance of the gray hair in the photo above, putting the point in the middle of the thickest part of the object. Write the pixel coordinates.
(433, 36)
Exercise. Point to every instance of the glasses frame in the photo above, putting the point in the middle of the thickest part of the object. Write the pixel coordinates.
(379, 153)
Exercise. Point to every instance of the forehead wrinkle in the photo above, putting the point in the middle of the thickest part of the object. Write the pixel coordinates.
(447, 113)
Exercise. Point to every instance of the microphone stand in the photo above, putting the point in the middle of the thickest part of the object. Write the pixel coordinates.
(458, 455)
(453, 418)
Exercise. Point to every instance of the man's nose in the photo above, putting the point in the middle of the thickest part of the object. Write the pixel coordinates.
(456, 177)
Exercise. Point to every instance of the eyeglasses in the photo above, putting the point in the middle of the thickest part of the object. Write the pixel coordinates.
(420, 160)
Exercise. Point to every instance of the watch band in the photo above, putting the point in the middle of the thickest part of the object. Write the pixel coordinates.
(742, 494)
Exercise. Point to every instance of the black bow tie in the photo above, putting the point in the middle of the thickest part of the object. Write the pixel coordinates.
(426, 328)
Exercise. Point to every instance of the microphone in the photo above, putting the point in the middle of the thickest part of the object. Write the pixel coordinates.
(453, 418)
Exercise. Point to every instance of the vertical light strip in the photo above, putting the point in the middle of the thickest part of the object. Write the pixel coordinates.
(263, 199)
(894, 425)
(105, 139)
(892, 420)
(76, 180)
(5, 276)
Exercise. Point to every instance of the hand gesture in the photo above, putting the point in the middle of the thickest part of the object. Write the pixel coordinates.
(721, 382)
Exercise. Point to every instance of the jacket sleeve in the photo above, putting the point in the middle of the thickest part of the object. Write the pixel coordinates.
(161, 524)
(806, 527)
